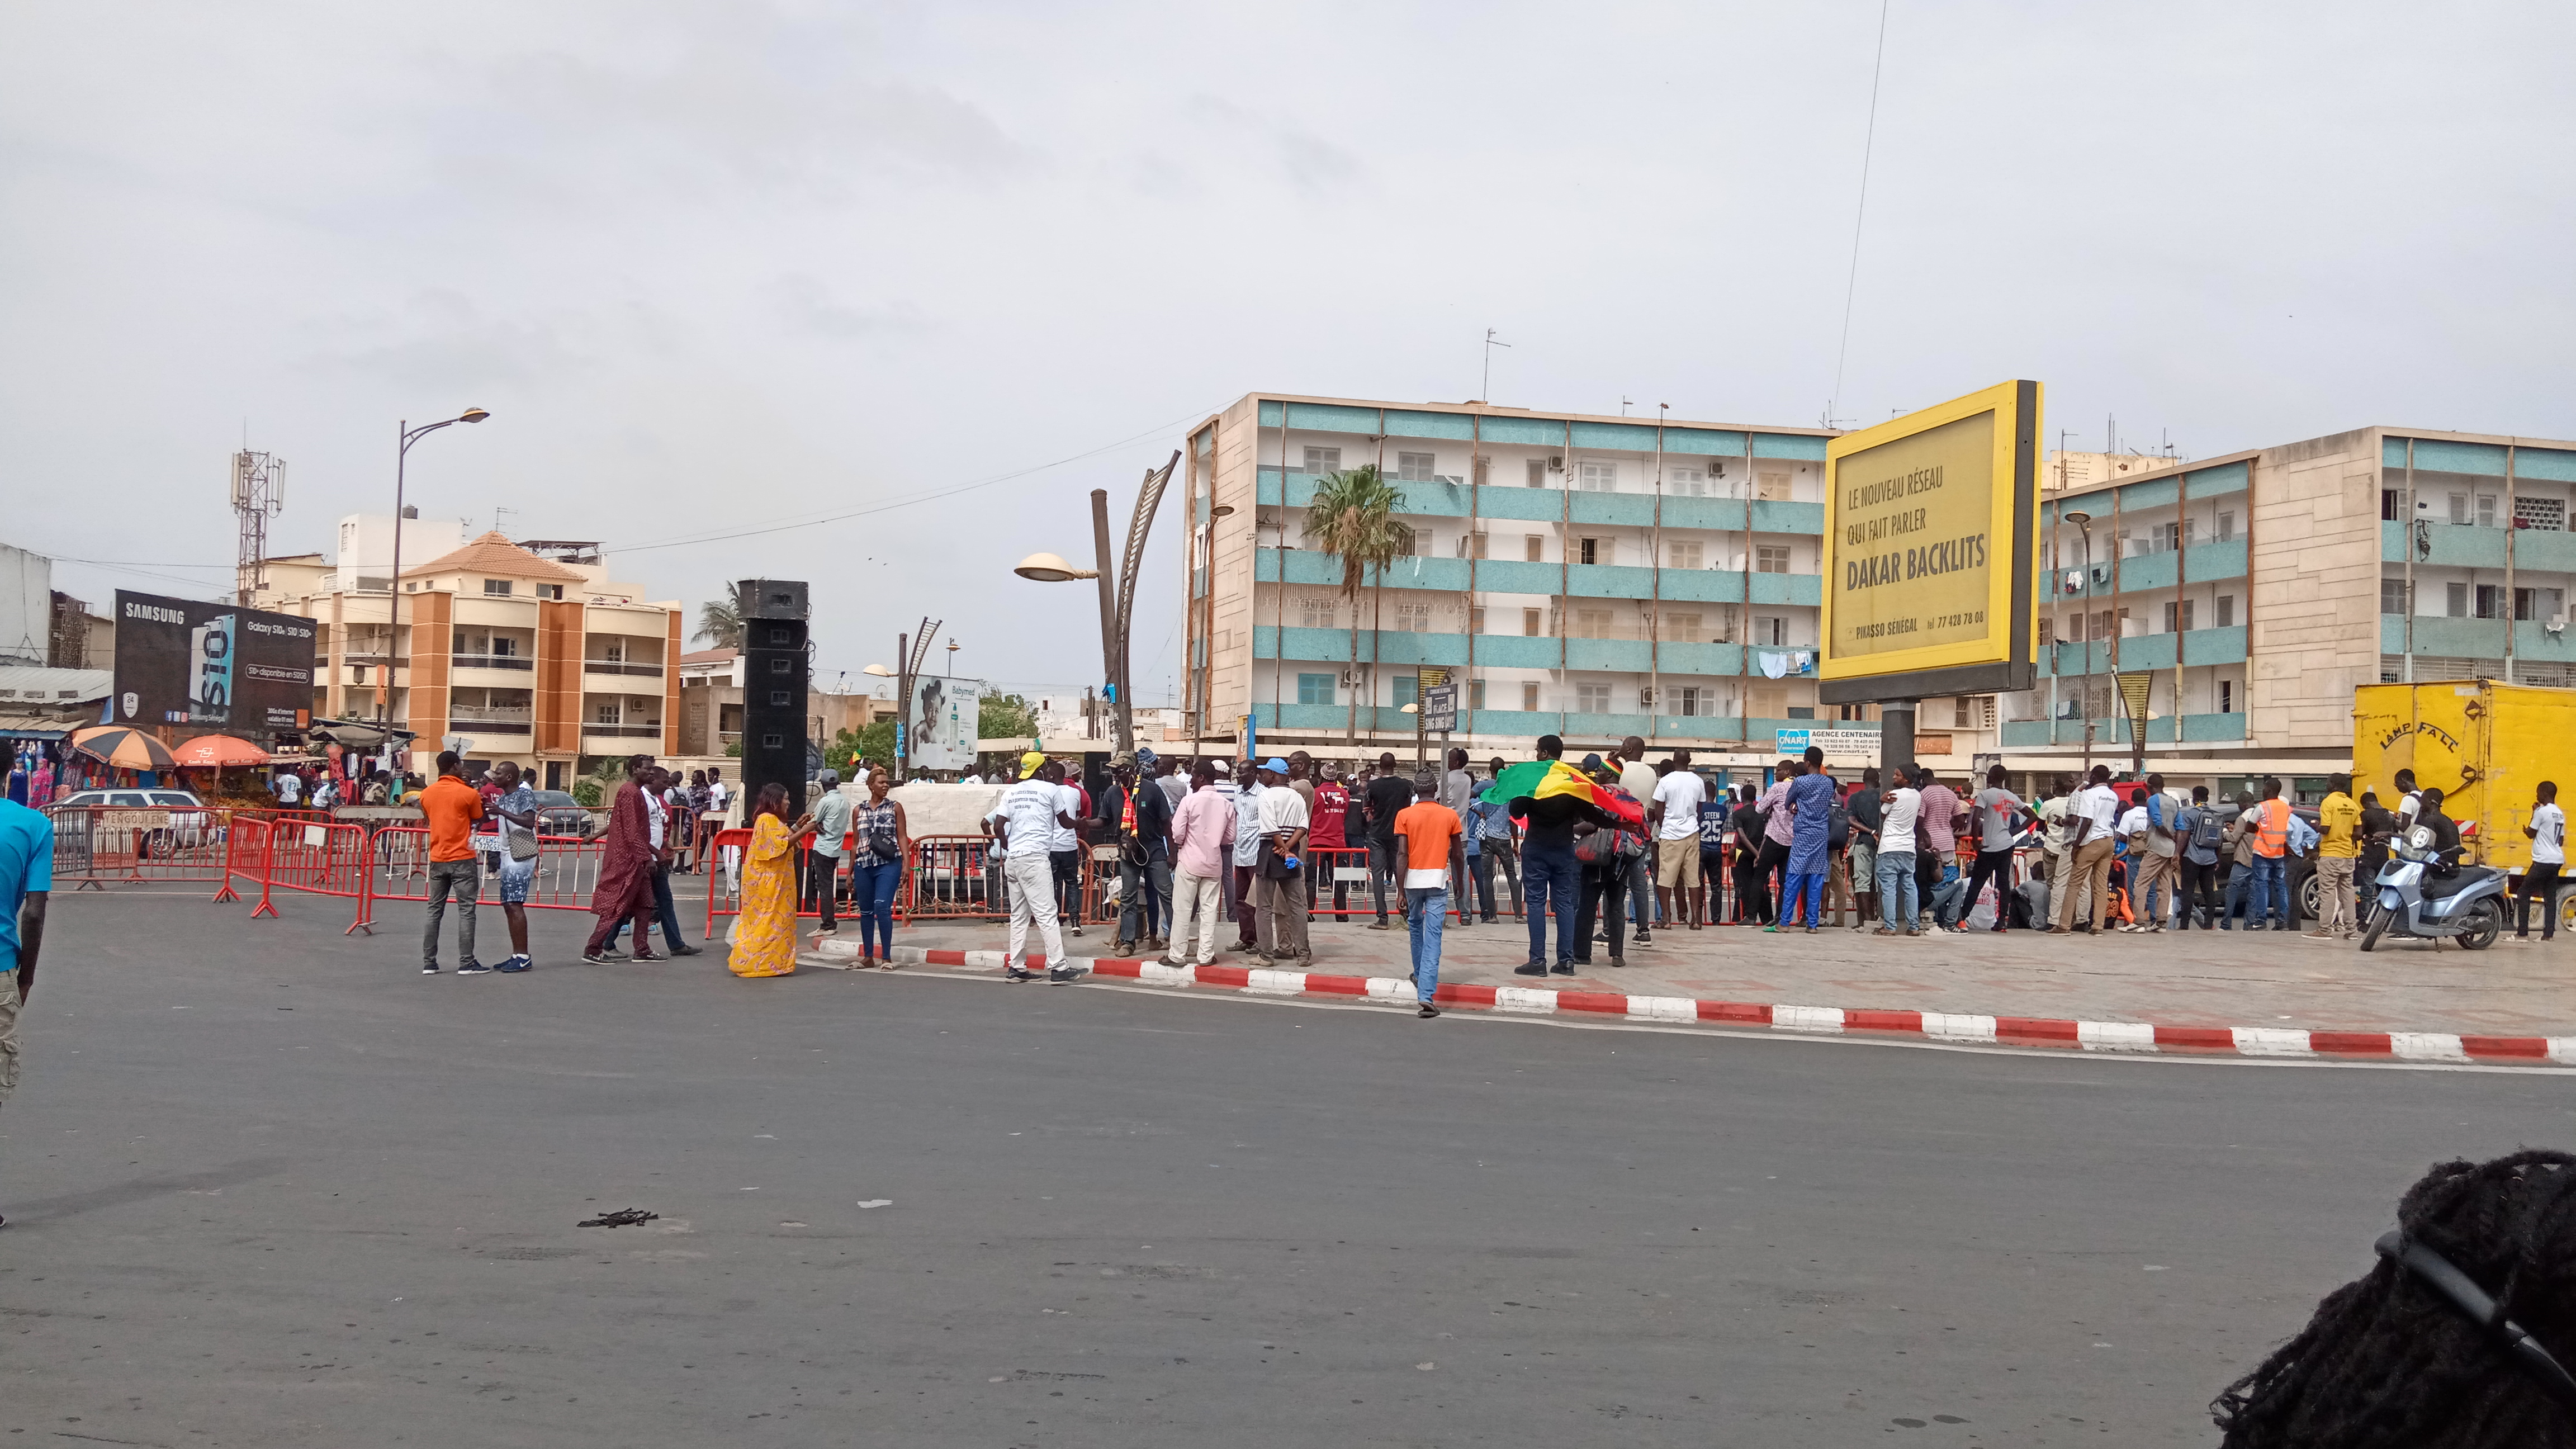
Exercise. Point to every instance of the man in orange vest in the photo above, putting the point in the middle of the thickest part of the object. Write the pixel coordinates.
(2271, 835)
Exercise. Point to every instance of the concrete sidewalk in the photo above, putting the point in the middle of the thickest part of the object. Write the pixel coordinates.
(2194, 979)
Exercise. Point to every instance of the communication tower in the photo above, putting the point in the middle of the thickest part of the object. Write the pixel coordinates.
(258, 491)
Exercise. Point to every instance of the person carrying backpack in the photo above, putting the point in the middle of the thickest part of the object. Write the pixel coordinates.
(2201, 832)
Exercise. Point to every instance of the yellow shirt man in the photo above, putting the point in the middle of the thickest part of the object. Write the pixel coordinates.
(2339, 822)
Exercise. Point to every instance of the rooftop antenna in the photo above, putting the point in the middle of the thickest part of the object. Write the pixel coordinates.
(1485, 390)
(497, 511)
(258, 493)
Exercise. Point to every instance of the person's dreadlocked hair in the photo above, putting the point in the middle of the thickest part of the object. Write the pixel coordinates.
(2387, 1361)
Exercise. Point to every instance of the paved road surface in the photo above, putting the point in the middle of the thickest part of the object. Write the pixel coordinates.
(269, 1186)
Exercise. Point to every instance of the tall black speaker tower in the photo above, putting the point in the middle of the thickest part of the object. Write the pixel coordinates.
(774, 678)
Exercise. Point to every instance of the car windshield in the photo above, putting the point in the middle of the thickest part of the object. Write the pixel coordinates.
(555, 797)
(173, 797)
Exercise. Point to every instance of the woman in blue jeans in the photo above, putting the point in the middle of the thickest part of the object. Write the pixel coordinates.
(874, 877)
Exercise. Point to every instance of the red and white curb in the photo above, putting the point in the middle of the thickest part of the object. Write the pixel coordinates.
(2023, 1031)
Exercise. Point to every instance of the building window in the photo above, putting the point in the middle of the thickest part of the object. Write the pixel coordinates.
(2391, 504)
(496, 586)
(1592, 623)
(1852, 712)
(1592, 698)
(1413, 618)
(1771, 487)
(2490, 601)
(1403, 689)
(1538, 472)
(2455, 601)
(1414, 467)
(1682, 555)
(1772, 629)
(607, 714)
(2544, 513)
(1771, 558)
(1471, 545)
(549, 591)
(1484, 466)
(2479, 509)
(1680, 625)
(504, 647)
(1315, 613)
(2392, 596)
(1529, 696)
(2227, 696)
(1529, 623)
(1314, 689)
(2100, 627)
(1475, 694)
(1686, 480)
(1598, 550)
(2541, 605)
(1476, 619)
(2178, 618)
(2226, 526)
(1597, 477)
(1537, 547)
(1692, 700)
(1320, 461)
(1408, 543)
(2165, 537)
(2226, 615)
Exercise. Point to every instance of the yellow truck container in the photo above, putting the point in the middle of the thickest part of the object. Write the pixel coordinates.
(2484, 743)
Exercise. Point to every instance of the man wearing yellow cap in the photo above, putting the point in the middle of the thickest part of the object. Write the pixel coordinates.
(1029, 763)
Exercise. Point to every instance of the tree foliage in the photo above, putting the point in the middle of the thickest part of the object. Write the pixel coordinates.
(1352, 517)
(1006, 717)
(720, 624)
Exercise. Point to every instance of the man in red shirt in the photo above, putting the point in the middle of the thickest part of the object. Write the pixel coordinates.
(1325, 832)
(452, 807)
(1425, 833)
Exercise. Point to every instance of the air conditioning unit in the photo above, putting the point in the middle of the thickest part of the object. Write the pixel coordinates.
(1556, 462)
(1352, 679)
(2557, 624)
(1646, 698)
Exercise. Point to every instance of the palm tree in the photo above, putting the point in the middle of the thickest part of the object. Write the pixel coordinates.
(720, 623)
(1352, 517)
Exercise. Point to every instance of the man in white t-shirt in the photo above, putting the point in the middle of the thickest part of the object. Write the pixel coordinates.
(1638, 779)
(2091, 821)
(1027, 820)
(1064, 846)
(290, 788)
(1282, 903)
(1674, 816)
(1897, 888)
(2548, 832)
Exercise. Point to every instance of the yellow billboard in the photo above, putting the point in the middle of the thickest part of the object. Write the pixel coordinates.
(1931, 540)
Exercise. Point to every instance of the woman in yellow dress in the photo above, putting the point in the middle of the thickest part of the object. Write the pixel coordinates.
(764, 939)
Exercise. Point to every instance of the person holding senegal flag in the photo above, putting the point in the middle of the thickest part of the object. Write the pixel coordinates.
(1549, 796)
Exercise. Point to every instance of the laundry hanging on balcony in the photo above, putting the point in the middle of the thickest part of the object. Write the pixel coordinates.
(1782, 665)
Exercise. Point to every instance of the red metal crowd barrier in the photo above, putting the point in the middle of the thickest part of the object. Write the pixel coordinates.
(99, 846)
(318, 858)
(245, 853)
(952, 877)
(567, 869)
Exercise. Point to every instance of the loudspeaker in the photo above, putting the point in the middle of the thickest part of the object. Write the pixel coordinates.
(775, 675)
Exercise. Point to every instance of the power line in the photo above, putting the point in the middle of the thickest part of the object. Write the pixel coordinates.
(1869, 138)
(808, 521)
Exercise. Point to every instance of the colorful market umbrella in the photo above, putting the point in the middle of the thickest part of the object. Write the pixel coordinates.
(126, 749)
(218, 752)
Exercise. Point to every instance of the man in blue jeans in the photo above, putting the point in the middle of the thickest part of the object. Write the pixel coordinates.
(1425, 833)
(1550, 875)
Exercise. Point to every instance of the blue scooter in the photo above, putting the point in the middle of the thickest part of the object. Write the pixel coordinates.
(2410, 899)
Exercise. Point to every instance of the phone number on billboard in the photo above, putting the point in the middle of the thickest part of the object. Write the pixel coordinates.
(1888, 628)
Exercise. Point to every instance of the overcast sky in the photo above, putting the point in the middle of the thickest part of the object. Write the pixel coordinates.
(716, 267)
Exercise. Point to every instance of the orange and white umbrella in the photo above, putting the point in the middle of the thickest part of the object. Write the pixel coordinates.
(217, 752)
(126, 749)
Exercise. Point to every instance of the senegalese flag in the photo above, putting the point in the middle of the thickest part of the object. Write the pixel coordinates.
(1555, 781)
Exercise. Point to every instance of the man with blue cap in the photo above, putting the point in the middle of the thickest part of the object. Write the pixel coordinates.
(1279, 884)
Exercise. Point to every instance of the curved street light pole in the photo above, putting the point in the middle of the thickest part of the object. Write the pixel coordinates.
(406, 435)
(1117, 585)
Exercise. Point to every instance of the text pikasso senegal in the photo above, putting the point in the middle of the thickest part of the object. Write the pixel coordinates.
(1915, 561)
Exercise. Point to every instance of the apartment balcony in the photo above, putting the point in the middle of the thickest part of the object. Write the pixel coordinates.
(518, 662)
(623, 731)
(619, 667)
(1734, 732)
(2026, 734)
(499, 722)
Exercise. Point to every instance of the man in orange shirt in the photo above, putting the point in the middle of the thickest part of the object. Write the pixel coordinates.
(452, 807)
(1424, 833)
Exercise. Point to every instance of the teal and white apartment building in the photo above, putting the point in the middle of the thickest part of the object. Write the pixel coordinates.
(1596, 577)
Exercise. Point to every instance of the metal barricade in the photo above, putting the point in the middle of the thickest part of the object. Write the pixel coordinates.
(952, 877)
(726, 860)
(1339, 874)
(398, 869)
(245, 854)
(95, 847)
(316, 858)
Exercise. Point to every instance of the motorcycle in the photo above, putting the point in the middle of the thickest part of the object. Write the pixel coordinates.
(2411, 899)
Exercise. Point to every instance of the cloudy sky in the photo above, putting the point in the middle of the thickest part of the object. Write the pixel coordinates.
(721, 267)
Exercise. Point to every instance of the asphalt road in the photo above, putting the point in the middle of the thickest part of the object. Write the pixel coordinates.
(269, 1186)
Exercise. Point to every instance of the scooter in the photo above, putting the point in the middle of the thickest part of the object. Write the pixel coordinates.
(2410, 900)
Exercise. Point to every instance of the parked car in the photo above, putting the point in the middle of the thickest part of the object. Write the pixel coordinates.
(189, 823)
(560, 814)
(138, 797)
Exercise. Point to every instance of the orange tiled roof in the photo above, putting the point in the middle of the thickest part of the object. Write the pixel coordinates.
(495, 554)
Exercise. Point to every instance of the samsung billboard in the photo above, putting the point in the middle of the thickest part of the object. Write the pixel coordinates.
(211, 666)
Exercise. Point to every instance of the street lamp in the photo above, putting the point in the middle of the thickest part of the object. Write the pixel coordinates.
(1117, 583)
(2084, 525)
(406, 435)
